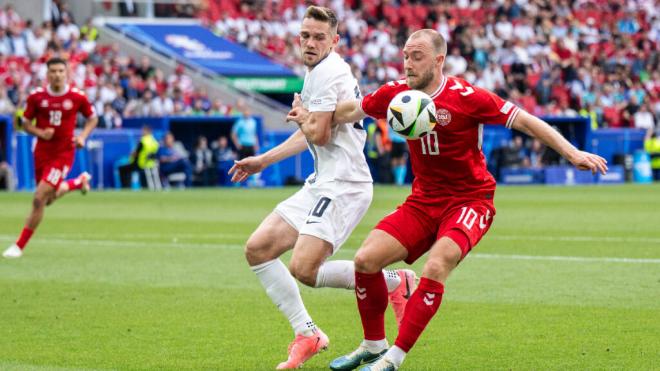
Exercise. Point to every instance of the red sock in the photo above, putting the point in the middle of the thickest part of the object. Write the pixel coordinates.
(421, 307)
(371, 293)
(74, 184)
(24, 237)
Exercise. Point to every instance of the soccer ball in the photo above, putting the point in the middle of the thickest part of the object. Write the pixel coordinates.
(411, 114)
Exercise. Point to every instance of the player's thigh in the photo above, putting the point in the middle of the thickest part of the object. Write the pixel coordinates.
(272, 238)
(379, 250)
(467, 223)
(412, 228)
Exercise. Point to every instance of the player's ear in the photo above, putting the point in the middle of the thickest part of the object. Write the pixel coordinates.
(440, 59)
(335, 40)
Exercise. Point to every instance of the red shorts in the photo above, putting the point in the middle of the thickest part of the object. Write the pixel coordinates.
(52, 171)
(417, 225)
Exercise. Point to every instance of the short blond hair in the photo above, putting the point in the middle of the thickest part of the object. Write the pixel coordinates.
(323, 14)
(438, 42)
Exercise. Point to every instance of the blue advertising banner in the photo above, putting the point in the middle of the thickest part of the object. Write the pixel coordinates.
(202, 47)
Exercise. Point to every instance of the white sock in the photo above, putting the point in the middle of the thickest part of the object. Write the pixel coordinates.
(341, 274)
(282, 289)
(396, 355)
(375, 346)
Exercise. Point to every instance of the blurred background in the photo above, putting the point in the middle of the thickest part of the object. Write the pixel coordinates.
(214, 79)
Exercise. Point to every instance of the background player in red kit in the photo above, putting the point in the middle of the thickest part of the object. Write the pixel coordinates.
(55, 109)
(451, 205)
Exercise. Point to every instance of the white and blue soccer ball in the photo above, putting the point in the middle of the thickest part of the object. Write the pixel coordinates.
(411, 114)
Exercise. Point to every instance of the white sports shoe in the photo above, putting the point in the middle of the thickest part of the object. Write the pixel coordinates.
(85, 178)
(13, 252)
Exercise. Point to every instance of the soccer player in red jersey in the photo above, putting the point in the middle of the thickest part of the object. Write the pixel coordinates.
(451, 205)
(55, 109)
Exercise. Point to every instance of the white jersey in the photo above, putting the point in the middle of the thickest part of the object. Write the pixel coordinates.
(342, 158)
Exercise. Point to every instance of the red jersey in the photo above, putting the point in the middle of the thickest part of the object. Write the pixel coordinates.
(57, 111)
(449, 161)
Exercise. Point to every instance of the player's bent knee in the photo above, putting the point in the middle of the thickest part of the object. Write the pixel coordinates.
(38, 202)
(305, 275)
(365, 263)
(257, 252)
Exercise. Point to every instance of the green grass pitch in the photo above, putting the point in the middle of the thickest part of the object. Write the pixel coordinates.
(567, 279)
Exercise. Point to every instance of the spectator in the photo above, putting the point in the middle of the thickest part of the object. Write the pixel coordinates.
(37, 43)
(244, 134)
(110, 119)
(143, 160)
(162, 104)
(203, 167)
(67, 31)
(6, 105)
(145, 69)
(643, 118)
(652, 147)
(222, 151)
(173, 158)
(6, 180)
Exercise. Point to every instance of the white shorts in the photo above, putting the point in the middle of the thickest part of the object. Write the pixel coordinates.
(329, 211)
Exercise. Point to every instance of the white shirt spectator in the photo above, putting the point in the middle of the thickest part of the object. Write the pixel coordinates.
(66, 32)
(643, 119)
(37, 44)
(9, 18)
(504, 29)
(162, 105)
(355, 24)
(491, 76)
(456, 64)
(443, 28)
(524, 31)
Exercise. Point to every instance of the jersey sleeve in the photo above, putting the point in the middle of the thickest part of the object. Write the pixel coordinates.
(375, 104)
(324, 94)
(86, 107)
(30, 107)
(488, 108)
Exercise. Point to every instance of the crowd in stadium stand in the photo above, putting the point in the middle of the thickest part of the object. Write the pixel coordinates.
(118, 85)
(594, 58)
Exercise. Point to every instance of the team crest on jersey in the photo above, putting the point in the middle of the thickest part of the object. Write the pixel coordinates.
(67, 104)
(44, 103)
(443, 117)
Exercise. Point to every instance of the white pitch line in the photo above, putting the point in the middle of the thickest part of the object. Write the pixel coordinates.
(577, 239)
(582, 259)
(188, 245)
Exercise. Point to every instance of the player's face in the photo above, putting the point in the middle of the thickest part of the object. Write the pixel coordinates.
(420, 63)
(317, 40)
(57, 76)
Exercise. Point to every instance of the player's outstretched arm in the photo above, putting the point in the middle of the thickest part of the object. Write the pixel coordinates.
(538, 128)
(348, 112)
(242, 169)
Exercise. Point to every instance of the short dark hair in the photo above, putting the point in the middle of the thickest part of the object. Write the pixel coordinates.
(55, 60)
(322, 14)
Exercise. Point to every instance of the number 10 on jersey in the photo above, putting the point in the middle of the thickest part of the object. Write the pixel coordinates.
(430, 145)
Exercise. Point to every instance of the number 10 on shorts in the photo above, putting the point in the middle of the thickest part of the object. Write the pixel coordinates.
(468, 217)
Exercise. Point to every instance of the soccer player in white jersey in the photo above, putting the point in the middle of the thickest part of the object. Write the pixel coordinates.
(318, 219)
